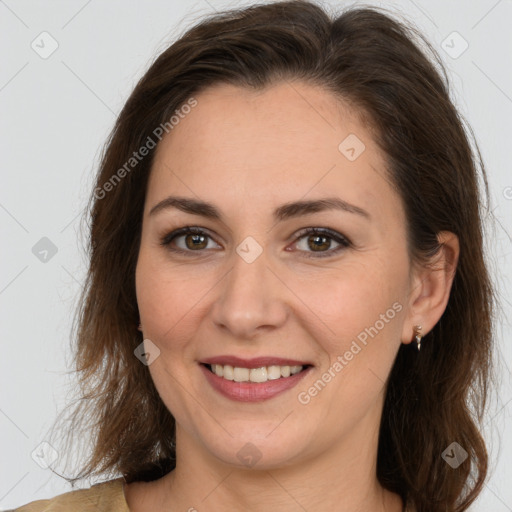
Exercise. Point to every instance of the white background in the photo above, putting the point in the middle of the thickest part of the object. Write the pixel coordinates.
(56, 114)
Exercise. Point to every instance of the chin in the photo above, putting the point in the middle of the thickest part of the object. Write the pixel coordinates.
(257, 449)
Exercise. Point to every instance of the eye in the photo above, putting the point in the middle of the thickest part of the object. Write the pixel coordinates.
(194, 239)
(318, 239)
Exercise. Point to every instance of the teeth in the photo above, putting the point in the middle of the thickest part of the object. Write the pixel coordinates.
(240, 374)
(273, 372)
(258, 375)
(262, 374)
(226, 371)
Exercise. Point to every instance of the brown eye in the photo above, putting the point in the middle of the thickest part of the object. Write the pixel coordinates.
(320, 240)
(193, 241)
(187, 240)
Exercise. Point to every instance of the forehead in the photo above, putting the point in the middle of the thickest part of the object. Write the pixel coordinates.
(284, 142)
(282, 122)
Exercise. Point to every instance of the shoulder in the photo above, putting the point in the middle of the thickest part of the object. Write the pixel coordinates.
(102, 497)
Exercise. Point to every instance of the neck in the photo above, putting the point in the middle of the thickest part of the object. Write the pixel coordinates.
(285, 490)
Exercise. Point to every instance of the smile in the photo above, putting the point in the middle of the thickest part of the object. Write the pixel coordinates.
(253, 380)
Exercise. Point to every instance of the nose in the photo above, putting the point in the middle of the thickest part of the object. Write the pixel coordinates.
(251, 299)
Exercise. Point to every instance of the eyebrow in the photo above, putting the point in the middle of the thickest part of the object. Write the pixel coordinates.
(283, 212)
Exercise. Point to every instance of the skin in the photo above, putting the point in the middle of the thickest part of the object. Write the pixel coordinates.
(247, 153)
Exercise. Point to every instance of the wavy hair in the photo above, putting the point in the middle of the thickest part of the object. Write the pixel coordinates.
(393, 77)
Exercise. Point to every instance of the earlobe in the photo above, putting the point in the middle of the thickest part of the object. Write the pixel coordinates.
(431, 292)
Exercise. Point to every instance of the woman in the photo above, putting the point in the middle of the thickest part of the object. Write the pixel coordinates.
(287, 211)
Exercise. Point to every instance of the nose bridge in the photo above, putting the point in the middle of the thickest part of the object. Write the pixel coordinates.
(250, 296)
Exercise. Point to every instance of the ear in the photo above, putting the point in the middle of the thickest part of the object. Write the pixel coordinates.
(430, 287)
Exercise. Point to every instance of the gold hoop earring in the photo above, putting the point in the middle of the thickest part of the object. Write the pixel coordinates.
(417, 336)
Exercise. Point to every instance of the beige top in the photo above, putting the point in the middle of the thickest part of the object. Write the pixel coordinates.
(102, 497)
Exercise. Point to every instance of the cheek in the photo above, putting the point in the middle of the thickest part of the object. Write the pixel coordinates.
(351, 299)
(359, 316)
(167, 302)
(167, 295)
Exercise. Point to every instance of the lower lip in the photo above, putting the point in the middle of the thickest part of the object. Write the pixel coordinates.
(252, 391)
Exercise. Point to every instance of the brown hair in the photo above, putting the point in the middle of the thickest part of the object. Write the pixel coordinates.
(376, 63)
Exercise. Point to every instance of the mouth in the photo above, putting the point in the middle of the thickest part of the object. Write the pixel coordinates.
(253, 380)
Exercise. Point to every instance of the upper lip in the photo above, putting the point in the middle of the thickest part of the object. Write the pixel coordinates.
(256, 362)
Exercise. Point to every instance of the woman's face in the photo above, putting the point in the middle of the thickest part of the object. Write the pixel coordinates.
(255, 290)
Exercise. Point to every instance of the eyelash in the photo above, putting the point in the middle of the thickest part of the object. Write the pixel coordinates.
(325, 232)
